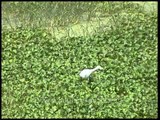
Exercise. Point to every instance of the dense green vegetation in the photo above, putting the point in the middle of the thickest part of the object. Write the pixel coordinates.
(40, 74)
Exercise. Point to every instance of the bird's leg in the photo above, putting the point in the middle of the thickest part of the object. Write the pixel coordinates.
(89, 80)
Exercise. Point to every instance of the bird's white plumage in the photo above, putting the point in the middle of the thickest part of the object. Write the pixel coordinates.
(87, 72)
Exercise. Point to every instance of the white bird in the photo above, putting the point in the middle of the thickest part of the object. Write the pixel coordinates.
(87, 72)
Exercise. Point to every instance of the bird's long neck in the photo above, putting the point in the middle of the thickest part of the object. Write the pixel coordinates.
(93, 70)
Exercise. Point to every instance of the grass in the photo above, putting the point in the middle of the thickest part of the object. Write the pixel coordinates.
(40, 71)
(79, 18)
